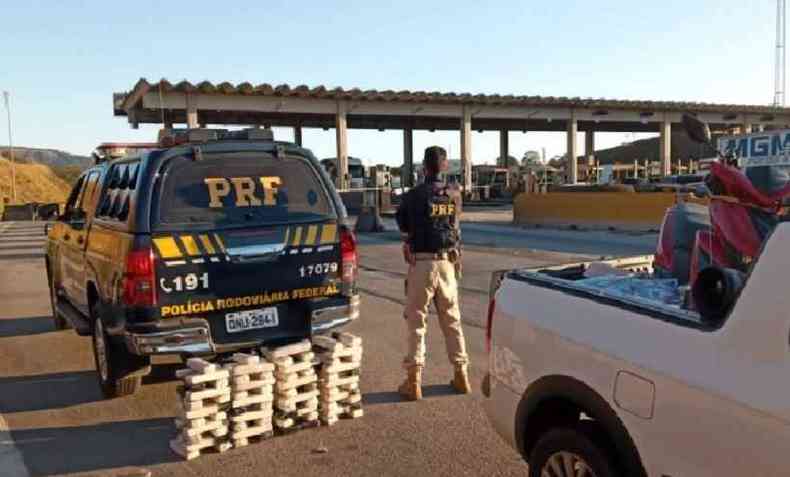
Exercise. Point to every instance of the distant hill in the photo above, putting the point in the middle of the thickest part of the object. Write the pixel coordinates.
(35, 183)
(49, 157)
(682, 148)
(65, 165)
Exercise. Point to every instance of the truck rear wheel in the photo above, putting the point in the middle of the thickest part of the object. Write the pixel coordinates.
(571, 451)
(119, 371)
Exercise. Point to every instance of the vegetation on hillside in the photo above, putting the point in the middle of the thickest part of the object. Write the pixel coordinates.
(50, 157)
(682, 148)
(69, 174)
(34, 183)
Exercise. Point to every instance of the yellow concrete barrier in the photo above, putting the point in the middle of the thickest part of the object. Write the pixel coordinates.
(630, 210)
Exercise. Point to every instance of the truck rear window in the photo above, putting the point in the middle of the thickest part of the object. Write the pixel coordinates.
(232, 190)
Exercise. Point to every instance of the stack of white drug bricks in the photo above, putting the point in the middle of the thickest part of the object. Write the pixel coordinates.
(296, 386)
(252, 385)
(201, 418)
(341, 359)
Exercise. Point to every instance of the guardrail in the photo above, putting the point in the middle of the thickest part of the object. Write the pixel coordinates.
(29, 211)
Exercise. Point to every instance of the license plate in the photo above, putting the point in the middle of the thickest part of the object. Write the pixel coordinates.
(251, 320)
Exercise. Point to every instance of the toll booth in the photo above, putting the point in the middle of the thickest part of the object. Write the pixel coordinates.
(494, 182)
(380, 179)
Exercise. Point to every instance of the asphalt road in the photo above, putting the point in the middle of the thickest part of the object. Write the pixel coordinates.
(492, 228)
(590, 242)
(53, 420)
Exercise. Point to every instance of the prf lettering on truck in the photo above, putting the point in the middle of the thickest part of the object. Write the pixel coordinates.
(245, 190)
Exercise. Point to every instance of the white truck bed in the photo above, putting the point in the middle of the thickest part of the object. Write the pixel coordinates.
(568, 277)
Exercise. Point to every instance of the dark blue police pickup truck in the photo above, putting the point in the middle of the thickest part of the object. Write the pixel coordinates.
(219, 241)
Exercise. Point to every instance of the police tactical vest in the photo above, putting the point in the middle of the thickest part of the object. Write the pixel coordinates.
(435, 227)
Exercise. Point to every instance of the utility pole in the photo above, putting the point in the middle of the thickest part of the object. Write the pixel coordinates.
(779, 67)
(10, 147)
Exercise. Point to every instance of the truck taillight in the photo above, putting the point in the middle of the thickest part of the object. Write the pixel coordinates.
(139, 279)
(348, 259)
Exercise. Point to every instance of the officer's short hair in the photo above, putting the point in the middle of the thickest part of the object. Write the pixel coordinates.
(434, 156)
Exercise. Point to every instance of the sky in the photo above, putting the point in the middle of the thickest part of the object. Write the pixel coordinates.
(61, 61)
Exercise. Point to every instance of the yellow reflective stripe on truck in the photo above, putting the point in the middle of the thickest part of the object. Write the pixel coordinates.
(297, 237)
(328, 234)
(207, 244)
(220, 243)
(167, 247)
(189, 245)
(196, 248)
(187, 248)
(312, 232)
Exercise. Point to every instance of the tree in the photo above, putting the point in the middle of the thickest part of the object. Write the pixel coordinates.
(557, 161)
(530, 158)
(511, 161)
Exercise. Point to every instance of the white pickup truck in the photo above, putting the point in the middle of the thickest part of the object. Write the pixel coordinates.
(587, 381)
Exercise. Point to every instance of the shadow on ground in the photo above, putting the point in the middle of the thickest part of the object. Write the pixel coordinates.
(437, 390)
(429, 391)
(65, 450)
(162, 373)
(26, 326)
(384, 397)
(21, 256)
(48, 391)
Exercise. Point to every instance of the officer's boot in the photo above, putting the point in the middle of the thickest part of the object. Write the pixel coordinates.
(411, 389)
(461, 380)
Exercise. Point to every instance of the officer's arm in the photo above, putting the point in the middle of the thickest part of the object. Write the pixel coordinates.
(457, 198)
(402, 217)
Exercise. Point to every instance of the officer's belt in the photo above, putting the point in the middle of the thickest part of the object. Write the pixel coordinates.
(432, 256)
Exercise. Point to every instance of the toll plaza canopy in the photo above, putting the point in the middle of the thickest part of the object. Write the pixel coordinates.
(205, 103)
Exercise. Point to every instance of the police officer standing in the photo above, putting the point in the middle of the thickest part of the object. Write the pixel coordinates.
(428, 218)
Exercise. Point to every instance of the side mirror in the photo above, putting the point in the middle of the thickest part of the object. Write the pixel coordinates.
(697, 130)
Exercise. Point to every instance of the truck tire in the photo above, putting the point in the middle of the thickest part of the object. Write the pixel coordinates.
(565, 451)
(116, 368)
(60, 322)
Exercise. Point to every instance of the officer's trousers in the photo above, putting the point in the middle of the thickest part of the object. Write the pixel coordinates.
(433, 280)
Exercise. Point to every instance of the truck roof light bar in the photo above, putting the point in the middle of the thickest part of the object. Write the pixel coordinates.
(251, 134)
(203, 135)
(175, 137)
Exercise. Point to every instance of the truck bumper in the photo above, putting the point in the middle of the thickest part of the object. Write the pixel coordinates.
(325, 319)
(193, 335)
